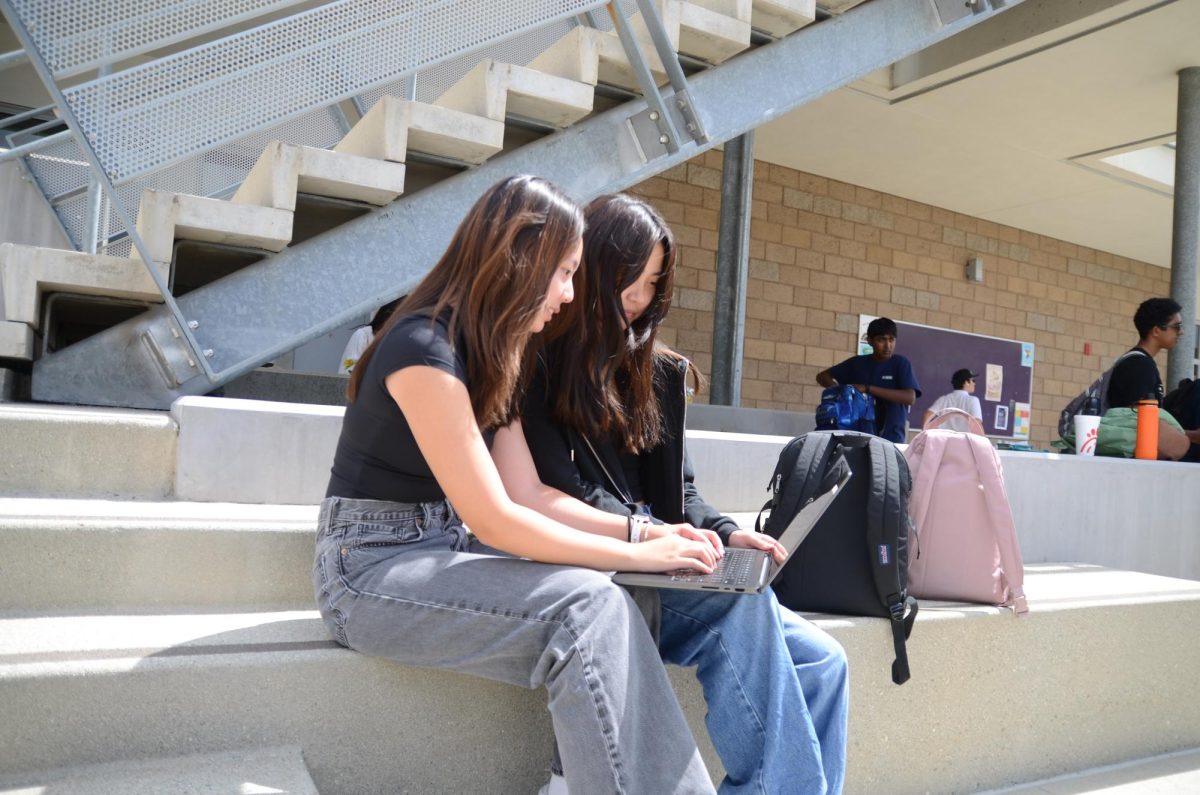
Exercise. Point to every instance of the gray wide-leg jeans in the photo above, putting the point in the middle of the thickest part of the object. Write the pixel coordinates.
(406, 582)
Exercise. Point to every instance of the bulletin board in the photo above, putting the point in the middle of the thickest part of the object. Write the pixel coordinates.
(1004, 385)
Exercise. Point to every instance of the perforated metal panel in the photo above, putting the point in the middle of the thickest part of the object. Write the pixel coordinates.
(151, 116)
(59, 168)
(436, 80)
(77, 35)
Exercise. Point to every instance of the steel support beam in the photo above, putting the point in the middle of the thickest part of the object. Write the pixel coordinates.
(733, 265)
(1185, 253)
(269, 308)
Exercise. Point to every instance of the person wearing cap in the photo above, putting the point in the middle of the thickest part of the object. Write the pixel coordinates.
(963, 397)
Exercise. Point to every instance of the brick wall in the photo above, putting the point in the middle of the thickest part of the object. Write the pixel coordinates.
(822, 252)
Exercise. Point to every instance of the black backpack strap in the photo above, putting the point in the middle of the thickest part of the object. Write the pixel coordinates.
(885, 512)
(815, 449)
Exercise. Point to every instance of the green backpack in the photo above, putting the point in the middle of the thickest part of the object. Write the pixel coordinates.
(1118, 431)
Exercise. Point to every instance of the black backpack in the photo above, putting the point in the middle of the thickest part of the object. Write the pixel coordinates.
(1096, 393)
(1183, 402)
(855, 561)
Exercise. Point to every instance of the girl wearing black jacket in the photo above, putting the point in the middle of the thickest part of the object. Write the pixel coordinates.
(604, 421)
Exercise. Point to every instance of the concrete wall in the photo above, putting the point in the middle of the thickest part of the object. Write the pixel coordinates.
(822, 252)
(1137, 515)
(26, 219)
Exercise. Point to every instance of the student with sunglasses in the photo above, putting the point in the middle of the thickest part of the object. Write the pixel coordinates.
(1159, 324)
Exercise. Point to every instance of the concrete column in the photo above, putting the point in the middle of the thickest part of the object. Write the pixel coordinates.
(1185, 254)
(733, 263)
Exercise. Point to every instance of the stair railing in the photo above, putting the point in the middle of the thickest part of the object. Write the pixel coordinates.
(130, 122)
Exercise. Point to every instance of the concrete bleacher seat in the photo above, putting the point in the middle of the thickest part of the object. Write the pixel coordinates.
(245, 771)
(151, 625)
(1066, 508)
(121, 676)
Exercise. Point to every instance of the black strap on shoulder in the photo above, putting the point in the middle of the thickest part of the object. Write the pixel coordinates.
(884, 515)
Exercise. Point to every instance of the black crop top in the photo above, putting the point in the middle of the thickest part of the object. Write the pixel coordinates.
(377, 456)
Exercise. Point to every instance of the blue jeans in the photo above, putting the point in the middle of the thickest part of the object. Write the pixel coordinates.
(776, 686)
(406, 582)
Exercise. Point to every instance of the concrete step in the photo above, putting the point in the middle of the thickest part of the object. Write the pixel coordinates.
(283, 169)
(1099, 672)
(393, 126)
(590, 55)
(1167, 774)
(16, 340)
(265, 770)
(613, 67)
(1066, 508)
(781, 17)
(711, 30)
(69, 451)
(27, 273)
(92, 690)
(839, 6)
(89, 556)
(494, 89)
(164, 217)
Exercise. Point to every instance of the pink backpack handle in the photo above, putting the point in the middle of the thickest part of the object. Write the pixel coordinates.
(972, 421)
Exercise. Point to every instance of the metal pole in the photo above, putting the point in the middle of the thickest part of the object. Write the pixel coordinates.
(1184, 251)
(14, 58)
(733, 264)
(91, 230)
(95, 196)
(36, 145)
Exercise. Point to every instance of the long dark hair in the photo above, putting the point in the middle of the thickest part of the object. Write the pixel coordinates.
(603, 377)
(493, 280)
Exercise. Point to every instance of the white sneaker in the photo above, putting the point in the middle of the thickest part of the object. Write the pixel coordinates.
(557, 785)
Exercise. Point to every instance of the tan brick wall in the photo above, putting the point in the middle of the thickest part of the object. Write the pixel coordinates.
(822, 252)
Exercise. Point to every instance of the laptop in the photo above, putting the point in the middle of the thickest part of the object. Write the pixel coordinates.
(744, 570)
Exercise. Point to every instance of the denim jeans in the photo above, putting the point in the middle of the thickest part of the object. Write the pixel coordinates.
(777, 689)
(406, 582)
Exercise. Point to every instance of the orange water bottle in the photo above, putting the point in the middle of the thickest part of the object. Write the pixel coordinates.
(1147, 429)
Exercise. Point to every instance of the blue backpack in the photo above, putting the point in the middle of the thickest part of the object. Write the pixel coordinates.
(844, 408)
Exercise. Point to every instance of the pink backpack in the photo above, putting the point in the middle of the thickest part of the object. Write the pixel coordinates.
(965, 546)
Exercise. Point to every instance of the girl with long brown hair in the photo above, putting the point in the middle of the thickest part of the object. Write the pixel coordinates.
(399, 575)
(604, 421)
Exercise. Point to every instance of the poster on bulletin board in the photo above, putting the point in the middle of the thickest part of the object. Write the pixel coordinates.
(1004, 384)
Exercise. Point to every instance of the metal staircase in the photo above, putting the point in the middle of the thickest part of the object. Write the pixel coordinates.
(437, 87)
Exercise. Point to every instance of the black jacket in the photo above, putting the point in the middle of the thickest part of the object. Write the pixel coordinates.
(590, 469)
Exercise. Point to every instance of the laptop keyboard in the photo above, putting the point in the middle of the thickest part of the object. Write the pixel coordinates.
(733, 569)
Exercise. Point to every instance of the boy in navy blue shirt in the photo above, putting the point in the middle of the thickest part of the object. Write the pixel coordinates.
(884, 375)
